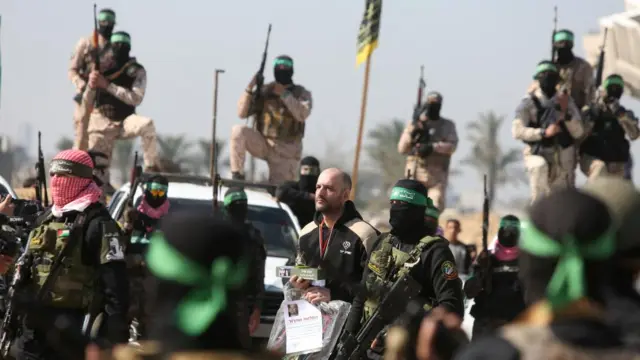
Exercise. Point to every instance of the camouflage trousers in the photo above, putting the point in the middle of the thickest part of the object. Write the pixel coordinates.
(546, 174)
(104, 132)
(434, 178)
(283, 158)
(592, 167)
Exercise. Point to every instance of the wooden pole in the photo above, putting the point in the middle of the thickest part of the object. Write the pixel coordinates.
(363, 113)
(213, 166)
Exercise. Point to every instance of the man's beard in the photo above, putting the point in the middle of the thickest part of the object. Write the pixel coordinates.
(325, 207)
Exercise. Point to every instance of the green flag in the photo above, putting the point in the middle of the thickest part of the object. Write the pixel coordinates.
(369, 30)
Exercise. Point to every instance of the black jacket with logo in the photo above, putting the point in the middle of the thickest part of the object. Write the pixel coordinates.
(346, 253)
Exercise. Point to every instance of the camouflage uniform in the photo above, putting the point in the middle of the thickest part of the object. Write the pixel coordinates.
(546, 169)
(278, 131)
(432, 170)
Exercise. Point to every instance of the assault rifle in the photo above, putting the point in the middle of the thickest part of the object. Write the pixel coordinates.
(96, 54)
(600, 68)
(553, 33)
(393, 304)
(134, 177)
(260, 76)
(41, 178)
(422, 84)
(486, 272)
(11, 320)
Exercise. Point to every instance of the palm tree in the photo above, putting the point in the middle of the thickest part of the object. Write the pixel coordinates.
(174, 148)
(122, 151)
(64, 143)
(383, 151)
(488, 157)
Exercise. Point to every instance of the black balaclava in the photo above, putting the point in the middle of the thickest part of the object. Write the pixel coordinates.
(106, 22)
(283, 70)
(509, 231)
(566, 222)
(196, 262)
(563, 42)
(613, 87)
(235, 204)
(433, 105)
(309, 172)
(155, 191)
(121, 46)
(408, 205)
(548, 77)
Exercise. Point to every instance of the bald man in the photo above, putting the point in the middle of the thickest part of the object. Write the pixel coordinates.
(337, 238)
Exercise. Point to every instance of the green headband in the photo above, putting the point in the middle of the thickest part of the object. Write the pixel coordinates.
(156, 186)
(544, 67)
(106, 16)
(208, 298)
(234, 196)
(409, 196)
(120, 38)
(70, 168)
(432, 212)
(509, 223)
(283, 62)
(613, 80)
(562, 36)
(567, 283)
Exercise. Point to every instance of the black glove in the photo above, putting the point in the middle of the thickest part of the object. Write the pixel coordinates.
(425, 149)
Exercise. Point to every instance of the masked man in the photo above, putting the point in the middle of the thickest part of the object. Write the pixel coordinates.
(410, 246)
(237, 209)
(81, 65)
(606, 149)
(549, 124)
(100, 166)
(94, 275)
(430, 141)
(114, 116)
(499, 303)
(139, 225)
(300, 195)
(280, 114)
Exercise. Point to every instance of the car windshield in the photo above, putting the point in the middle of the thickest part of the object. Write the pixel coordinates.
(274, 224)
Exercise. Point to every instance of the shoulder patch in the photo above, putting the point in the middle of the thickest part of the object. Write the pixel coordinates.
(365, 231)
(449, 270)
(307, 229)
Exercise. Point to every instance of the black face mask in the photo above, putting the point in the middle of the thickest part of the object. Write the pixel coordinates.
(238, 211)
(433, 111)
(121, 53)
(308, 183)
(105, 30)
(614, 92)
(565, 55)
(548, 83)
(153, 201)
(406, 219)
(508, 237)
(283, 76)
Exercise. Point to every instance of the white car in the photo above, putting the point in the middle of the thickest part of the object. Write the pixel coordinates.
(275, 221)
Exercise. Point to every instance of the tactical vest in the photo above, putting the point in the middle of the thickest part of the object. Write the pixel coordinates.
(385, 265)
(73, 289)
(275, 121)
(109, 105)
(539, 343)
(543, 120)
(607, 140)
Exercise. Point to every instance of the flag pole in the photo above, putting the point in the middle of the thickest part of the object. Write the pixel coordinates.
(363, 112)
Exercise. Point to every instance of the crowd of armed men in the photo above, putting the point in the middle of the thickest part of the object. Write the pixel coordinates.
(161, 284)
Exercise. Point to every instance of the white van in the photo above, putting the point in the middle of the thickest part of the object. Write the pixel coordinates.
(275, 221)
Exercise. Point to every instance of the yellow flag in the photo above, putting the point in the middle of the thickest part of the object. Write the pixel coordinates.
(369, 30)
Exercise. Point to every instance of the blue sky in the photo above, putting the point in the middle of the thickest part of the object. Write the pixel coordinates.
(478, 54)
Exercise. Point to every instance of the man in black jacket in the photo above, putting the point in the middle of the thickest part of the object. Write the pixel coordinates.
(300, 195)
(337, 240)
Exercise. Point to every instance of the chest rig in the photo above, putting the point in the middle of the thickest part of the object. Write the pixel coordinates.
(386, 265)
(109, 105)
(73, 288)
(275, 121)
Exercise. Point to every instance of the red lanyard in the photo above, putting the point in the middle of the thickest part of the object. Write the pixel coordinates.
(323, 244)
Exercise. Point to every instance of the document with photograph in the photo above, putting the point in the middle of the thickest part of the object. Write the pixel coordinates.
(303, 326)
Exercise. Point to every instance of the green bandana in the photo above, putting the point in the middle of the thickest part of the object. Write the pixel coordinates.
(157, 186)
(120, 38)
(409, 196)
(431, 210)
(567, 283)
(613, 80)
(562, 36)
(234, 196)
(208, 298)
(106, 16)
(509, 223)
(544, 67)
(283, 62)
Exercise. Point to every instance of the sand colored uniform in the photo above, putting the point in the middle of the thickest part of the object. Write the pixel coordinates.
(80, 66)
(114, 116)
(549, 162)
(605, 151)
(277, 134)
(432, 170)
